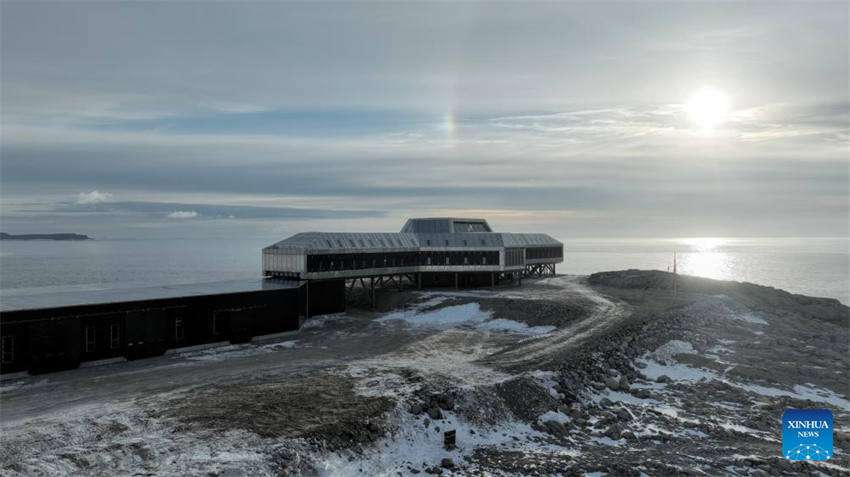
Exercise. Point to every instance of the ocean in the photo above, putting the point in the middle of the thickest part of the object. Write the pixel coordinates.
(811, 266)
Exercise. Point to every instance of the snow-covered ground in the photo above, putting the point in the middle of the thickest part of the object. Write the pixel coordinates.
(557, 377)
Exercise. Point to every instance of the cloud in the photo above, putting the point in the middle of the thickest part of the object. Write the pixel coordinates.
(93, 197)
(182, 214)
(579, 113)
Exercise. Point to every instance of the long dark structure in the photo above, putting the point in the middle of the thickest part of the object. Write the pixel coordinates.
(306, 275)
(49, 332)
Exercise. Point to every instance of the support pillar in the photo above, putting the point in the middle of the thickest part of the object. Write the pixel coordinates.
(372, 291)
(456, 287)
(492, 279)
(419, 280)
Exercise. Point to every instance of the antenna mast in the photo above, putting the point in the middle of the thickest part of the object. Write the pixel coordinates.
(675, 277)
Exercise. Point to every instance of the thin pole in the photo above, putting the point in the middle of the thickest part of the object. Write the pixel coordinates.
(675, 277)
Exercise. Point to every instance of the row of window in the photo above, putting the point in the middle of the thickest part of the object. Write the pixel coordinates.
(384, 243)
(544, 252)
(7, 345)
(514, 257)
(352, 261)
(114, 337)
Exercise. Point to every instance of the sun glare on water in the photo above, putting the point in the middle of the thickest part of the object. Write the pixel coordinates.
(704, 257)
(708, 108)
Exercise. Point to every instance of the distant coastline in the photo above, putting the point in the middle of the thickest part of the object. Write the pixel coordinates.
(63, 236)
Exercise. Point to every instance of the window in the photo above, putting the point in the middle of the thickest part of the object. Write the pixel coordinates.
(428, 260)
(447, 243)
(351, 242)
(447, 259)
(8, 349)
(483, 242)
(218, 320)
(371, 243)
(114, 335)
(464, 242)
(428, 242)
(330, 245)
(465, 260)
(382, 242)
(339, 242)
(178, 329)
(484, 260)
(90, 335)
(361, 243)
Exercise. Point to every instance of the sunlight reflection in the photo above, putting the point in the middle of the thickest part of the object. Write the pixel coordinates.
(705, 264)
(704, 258)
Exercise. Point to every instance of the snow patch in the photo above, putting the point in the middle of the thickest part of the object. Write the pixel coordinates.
(685, 373)
(501, 324)
(466, 314)
(750, 318)
(417, 447)
(666, 353)
(556, 416)
(279, 346)
(321, 321)
(448, 316)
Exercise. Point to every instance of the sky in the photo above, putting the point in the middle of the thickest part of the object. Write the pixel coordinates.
(626, 119)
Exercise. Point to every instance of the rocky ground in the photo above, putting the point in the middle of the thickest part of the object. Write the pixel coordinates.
(608, 374)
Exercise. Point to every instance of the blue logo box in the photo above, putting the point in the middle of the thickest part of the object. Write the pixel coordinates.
(807, 434)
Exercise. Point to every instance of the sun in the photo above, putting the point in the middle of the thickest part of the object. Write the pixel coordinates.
(708, 108)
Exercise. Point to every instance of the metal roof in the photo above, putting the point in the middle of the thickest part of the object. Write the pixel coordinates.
(446, 225)
(13, 299)
(345, 242)
(340, 242)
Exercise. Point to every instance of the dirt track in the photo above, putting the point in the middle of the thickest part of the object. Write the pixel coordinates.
(561, 376)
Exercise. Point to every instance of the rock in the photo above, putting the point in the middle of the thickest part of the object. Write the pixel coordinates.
(612, 384)
(624, 414)
(629, 435)
(447, 401)
(449, 438)
(447, 463)
(613, 432)
(624, 384)
(641, 393)
(598, 386)
(435, 413)
(555, 428)
(663, 379)
(416, 409)
(427, 423)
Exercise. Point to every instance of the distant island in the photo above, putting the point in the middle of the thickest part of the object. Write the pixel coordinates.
(5, 236)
